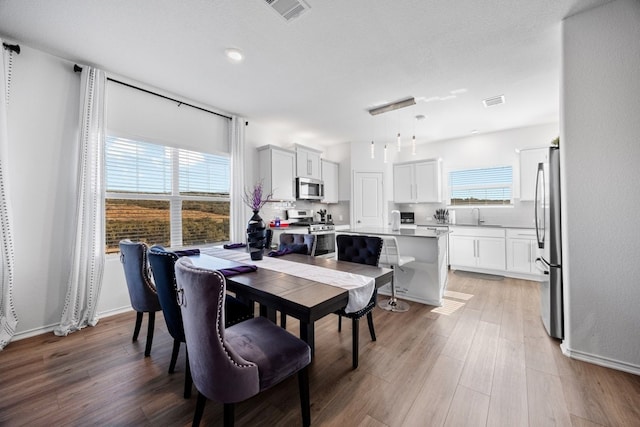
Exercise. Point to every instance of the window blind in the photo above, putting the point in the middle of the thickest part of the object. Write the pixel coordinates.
(485, 186)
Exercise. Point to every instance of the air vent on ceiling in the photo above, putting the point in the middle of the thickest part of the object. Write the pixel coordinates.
(288, 9)
(494, 100)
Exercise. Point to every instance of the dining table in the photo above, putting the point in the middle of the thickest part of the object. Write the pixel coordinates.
(303, 298)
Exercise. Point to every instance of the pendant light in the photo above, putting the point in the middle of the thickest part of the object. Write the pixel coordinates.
(399, 142)
(385, 153)
(373, 150)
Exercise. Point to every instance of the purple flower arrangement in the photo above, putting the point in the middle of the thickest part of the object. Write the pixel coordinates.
(255, 198)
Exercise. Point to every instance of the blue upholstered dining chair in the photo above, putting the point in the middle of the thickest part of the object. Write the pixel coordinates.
(163, 268)
(232, 364)
(362, 250)
(297, 243)
(142, 292)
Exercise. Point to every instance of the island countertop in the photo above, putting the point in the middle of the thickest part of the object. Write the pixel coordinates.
(427, 232)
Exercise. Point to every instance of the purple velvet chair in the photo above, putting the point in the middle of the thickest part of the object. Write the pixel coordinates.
(163, 268)
(232, 364)
(142, 292)
(362, 250)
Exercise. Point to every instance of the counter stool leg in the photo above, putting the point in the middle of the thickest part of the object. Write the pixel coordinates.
(393, 303)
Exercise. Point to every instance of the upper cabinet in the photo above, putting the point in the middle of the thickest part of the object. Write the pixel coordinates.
(278, 172)
(330, 179)
(416, 182)
(308, 162)
(529, 160)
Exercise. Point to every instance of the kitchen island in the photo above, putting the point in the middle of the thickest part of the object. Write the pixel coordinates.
(425, 279)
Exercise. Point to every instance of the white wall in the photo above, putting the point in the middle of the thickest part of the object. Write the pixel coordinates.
(42, 118)
(474, 151)
(600, 151)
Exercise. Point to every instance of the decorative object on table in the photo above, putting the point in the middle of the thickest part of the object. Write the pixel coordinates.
(256, 229)
(441, 216)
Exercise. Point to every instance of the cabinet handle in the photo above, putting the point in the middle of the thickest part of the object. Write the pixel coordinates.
(478, 243)
(309, 171)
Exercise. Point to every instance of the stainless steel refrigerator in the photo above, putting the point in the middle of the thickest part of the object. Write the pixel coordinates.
(547, 218)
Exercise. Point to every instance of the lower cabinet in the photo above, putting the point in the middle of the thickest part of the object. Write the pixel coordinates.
(477, 248)
(511, 252)
(522, 251)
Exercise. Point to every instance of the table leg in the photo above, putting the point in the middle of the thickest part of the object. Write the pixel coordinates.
(268, 312)
(307, 334)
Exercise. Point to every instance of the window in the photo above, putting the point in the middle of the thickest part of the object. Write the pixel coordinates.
(164, 195)
(487, 186)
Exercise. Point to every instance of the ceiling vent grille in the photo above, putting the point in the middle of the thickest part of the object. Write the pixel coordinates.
(494, 100)
(288, 9)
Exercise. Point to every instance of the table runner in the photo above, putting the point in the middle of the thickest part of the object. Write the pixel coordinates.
(360, 287)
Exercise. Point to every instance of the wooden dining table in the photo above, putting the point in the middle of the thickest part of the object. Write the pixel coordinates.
(303, 299)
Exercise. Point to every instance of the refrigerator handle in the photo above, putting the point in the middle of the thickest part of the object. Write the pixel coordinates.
(541, 265)
(539, 186)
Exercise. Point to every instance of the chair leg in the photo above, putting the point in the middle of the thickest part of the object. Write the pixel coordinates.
(372, 331)
(228, 414)
(136, 329)
(303, 383)
(339, 323)
(283, 320)
(152, 322)
(188, 380)
(355, 333)
(174, 356)
(197, 416)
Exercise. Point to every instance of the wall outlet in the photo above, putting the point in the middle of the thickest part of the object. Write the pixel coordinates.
(339, 217)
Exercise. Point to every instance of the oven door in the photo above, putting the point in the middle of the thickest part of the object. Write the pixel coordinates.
(325, 243)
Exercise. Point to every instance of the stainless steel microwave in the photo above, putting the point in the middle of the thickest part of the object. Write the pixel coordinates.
(309, 189)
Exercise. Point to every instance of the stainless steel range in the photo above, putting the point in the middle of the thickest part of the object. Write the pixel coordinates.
(324, 231)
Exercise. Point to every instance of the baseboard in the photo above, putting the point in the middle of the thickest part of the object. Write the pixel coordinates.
(600, 360)
(50, 328)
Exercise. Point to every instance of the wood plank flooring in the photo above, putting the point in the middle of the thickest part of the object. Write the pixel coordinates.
(483, 359)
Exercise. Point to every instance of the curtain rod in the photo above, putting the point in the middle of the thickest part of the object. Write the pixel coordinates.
(77, 69)
(12, 47)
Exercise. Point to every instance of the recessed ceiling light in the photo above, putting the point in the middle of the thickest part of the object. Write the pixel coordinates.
(235, 55)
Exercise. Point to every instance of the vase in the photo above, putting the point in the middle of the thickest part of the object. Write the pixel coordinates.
(256, 236)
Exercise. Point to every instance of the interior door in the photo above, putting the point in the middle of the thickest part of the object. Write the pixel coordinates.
(367, 199)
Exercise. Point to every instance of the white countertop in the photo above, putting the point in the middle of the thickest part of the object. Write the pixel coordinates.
(404, 232)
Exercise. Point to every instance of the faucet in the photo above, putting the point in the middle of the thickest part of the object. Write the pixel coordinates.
(475, 216)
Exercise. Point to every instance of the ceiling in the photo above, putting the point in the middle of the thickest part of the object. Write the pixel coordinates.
(312, 79)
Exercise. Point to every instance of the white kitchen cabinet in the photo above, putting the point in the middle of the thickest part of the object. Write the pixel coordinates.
(330, 179)
(417, 182)
(308, 162)
(522, 251)
(277, 172)
(477, 248)
(529, 160)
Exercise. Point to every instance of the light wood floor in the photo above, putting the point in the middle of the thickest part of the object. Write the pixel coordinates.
(487, 361)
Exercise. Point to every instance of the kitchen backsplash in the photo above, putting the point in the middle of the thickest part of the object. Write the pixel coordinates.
(339, 211)
(519, 215)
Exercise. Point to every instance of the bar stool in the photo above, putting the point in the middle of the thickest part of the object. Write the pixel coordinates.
(390, 257)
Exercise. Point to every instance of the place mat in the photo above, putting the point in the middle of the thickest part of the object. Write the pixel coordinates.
(360, 287)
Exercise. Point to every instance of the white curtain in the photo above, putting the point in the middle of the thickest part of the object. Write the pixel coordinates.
(85, 278)
(239, 216)
(8, 318)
